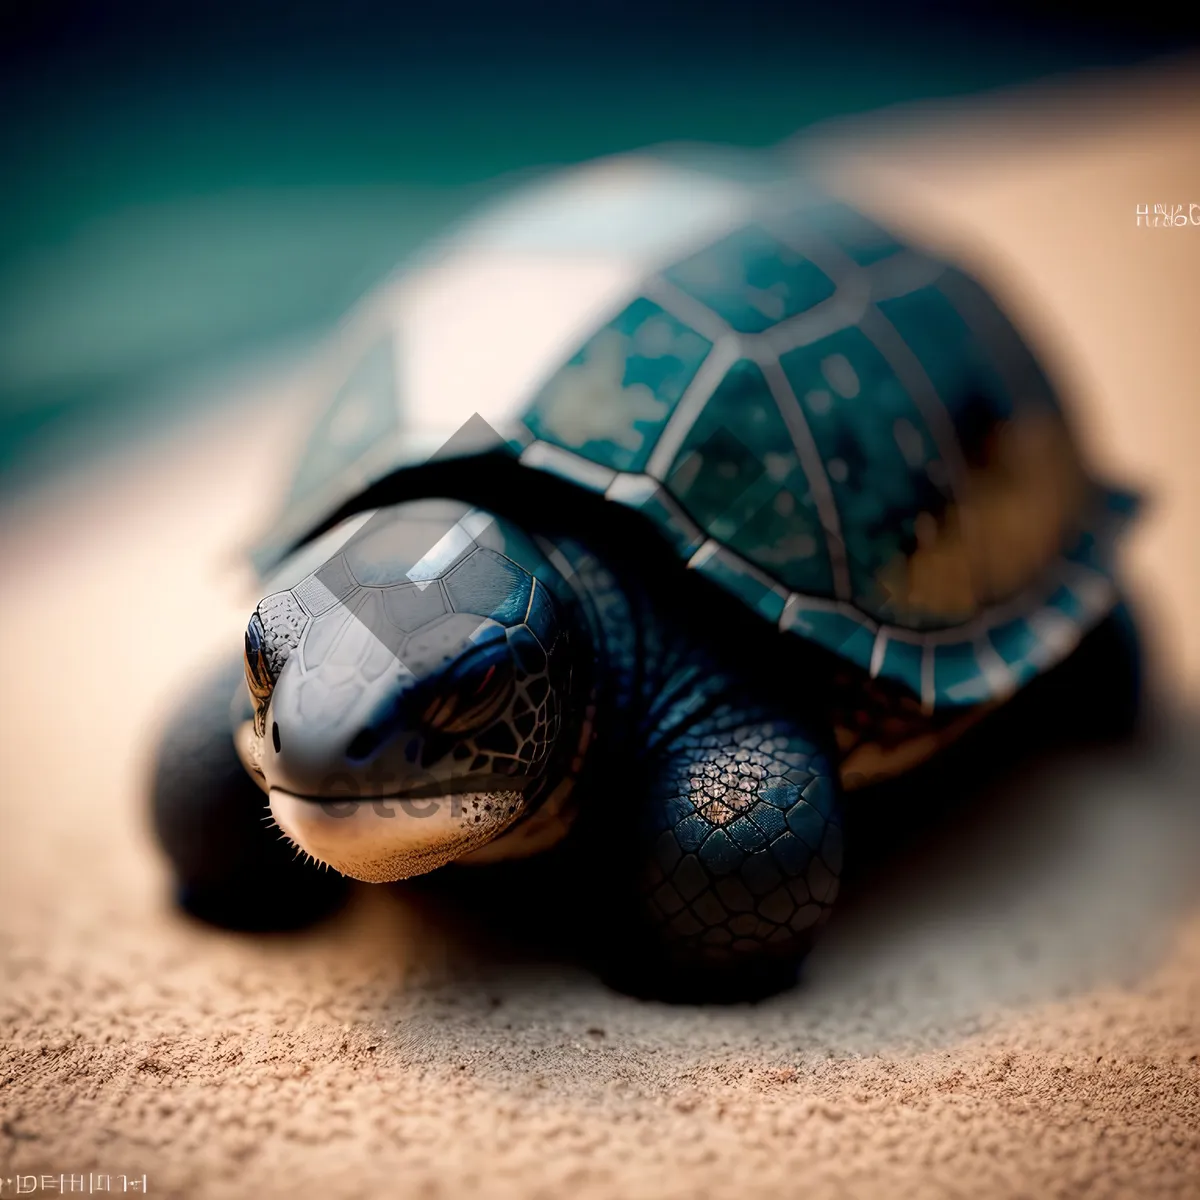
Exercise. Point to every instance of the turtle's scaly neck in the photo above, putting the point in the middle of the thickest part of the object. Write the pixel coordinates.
(619, 689)
(634, 654)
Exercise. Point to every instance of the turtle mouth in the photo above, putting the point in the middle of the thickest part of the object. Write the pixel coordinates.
(380, 839)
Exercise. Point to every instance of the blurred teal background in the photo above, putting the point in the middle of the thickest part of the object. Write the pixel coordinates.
(186, 192)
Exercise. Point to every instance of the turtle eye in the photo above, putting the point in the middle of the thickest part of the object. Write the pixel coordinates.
(473, 696)
(258, 675)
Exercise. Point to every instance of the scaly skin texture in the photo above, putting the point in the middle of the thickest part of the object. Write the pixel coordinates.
(721, 812)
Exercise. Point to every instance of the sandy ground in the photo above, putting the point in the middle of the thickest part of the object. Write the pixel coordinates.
(1011, 1008)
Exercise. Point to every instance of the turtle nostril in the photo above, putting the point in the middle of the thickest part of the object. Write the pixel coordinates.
(364, 743)
(275, 736)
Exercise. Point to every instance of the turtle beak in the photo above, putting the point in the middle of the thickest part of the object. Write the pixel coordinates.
(389, 838)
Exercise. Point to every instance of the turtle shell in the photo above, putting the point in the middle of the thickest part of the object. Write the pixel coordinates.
(843, 431)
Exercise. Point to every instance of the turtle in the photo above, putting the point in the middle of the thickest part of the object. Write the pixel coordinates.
(647, 517)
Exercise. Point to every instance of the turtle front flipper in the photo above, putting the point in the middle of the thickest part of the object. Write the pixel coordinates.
(231, 866)
(739, 854)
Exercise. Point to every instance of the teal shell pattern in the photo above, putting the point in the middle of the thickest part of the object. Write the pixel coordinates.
(849, 436)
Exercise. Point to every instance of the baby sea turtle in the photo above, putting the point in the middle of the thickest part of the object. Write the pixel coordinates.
(658, 509)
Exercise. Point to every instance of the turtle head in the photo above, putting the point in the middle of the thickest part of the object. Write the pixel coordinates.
(413, 695)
